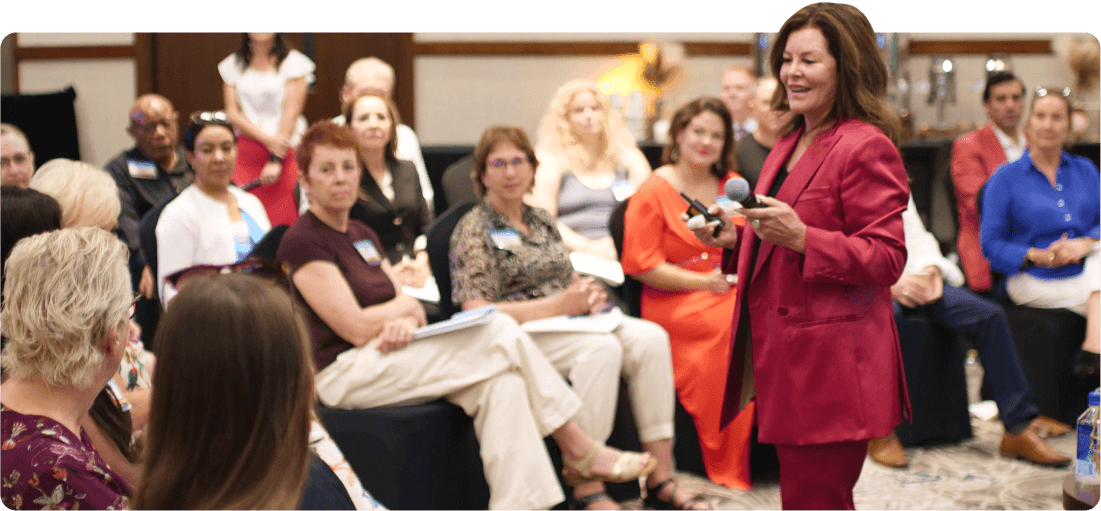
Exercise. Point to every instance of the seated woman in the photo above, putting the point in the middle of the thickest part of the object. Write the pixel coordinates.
(1040, 222)
(57, 363)
(205, 453)
(361, 326)
(390, 199)
(211, 221)
(507, 253)
(588, 162)
(683, 289)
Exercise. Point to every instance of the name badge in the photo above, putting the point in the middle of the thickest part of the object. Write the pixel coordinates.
(368, 251)
(505, 239)
(142, 169)
(622, 189)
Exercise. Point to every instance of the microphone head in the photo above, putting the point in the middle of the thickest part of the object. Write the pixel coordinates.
(737, 189)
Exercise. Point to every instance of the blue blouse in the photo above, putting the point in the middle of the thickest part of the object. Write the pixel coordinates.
(1022, 209)
(244, 245)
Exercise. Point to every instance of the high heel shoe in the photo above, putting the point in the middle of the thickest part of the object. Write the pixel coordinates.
(628, 466)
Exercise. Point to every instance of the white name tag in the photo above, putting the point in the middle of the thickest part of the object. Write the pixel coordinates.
(142, 169)
(622, 189)
(368, 251)
(505, 238)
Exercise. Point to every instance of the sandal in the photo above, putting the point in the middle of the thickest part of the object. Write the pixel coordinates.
(653, 498)
(626, 467)
(588, 500)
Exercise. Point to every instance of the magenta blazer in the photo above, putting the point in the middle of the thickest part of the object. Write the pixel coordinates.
(814, 335)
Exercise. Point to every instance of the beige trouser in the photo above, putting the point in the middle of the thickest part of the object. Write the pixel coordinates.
(1070, 293)
(496, 374)
(639, 350)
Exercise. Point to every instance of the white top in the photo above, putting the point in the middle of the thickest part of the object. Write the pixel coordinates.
(260, 94)
(1014, 149)
(409, 148)
(922, 249)
(196, 229)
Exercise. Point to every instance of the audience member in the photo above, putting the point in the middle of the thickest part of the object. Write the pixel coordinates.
(57, 363)
(930, 285)
(16, 157)
(265, 92)
(588, 162)
(211, 221)
(231, 414)
(1041, 219)
(682, 285)
(372, 73)
(390, 199)
(975, 157)
(25, 212)
(737, 94)
(509, 254)
(361, 326)
(87, 195)
(147, 175)
(753, 150)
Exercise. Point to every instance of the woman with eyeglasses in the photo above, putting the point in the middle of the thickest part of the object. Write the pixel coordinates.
(508, 254)
(56, 364)
(265, 85)
(1040, 223)
(683, 288)
(362, 328)
(211, 221)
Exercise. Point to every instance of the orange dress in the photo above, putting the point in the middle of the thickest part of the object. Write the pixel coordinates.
(698, 323)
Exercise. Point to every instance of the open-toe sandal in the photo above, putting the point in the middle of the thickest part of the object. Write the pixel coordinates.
(653, 498)
(628, 466)
(590, 499)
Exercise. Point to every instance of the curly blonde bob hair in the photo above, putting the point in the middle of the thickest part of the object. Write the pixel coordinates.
(65, 293)
(87, 195)
(556, 136)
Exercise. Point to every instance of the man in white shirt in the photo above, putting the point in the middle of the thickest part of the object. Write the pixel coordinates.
(738, 85)
(373, 73)
(930, 286)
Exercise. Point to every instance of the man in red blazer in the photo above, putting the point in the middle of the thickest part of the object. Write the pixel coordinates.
(975, 157)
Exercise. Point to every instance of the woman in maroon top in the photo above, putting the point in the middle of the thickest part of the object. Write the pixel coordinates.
(56, 363)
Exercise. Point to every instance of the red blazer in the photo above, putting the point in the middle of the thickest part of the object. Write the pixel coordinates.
(826, 364)
(975, 157)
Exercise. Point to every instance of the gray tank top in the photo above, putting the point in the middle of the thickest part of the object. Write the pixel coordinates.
(584, 209)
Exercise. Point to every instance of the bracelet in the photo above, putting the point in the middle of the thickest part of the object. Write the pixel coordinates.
(274, 159)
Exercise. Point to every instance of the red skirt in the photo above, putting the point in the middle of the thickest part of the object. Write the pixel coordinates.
(278, 197)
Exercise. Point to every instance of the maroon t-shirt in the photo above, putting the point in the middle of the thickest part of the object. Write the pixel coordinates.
(309, 239)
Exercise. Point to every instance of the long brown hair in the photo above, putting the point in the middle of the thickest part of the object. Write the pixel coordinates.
(684, 115)
(232, 397)
(861, 72)
(280, 48)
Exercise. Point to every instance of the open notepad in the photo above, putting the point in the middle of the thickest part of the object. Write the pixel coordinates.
(602, 323)
(458, 321)
(603, 269)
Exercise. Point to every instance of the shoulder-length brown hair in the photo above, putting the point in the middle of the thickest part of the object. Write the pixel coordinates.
(391, 108)
(232, 399)
(280, 48)
(492, 136)
(684, 115)
(861, 72)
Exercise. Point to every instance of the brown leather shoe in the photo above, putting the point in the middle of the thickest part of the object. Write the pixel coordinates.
(1046, 427)
(1030, 446)
(888, 451)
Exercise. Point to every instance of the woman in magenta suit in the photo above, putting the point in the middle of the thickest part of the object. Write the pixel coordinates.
(814, 335)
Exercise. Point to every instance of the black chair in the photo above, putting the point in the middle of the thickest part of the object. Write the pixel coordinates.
(933, 359)
(457, 186)
(269, 244)
(438, 247)
(148, 312)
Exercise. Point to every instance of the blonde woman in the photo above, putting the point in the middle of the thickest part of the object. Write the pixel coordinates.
(87, 195)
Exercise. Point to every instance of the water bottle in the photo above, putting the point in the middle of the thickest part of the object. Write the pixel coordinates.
(1085, 464)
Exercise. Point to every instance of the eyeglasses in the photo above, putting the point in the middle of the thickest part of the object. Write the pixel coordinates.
(205, 117)
(500, 164)
(134, 305)
(267, 269)
(151, 126)
(1044, 91)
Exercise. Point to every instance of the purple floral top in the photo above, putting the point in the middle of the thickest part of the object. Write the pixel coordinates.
(43, 465)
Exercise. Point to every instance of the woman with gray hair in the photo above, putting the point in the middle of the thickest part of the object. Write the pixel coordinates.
(87, 195)
(65, 317)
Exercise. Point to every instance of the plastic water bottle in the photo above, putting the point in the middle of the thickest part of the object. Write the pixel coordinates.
(1085, 464)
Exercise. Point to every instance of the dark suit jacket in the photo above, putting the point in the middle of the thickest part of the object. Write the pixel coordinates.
(397, 223)
(975, 157)
(818, 328)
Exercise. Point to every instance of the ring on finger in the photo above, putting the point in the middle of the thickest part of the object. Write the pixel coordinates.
(756, 223)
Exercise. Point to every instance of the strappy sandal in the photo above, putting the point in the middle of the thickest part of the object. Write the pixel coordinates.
(588, 500)
(627, 467)
(653, 498)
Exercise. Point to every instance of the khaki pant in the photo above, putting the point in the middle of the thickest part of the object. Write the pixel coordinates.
(496, 374)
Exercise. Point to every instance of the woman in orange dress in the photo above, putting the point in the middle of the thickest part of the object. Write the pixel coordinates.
(683, 288)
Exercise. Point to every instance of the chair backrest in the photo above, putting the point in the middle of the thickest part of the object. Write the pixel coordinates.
(631, 290)
(267, 245)
(147, 237)
(439, 247)
(457, 186)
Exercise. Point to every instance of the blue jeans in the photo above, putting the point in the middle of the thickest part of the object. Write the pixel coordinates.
(985, 323)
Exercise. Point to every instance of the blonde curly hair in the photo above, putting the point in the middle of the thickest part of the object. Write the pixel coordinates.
(65, 293)
(555, 135)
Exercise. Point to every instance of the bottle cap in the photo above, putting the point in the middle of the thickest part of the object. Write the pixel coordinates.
(1095, 398)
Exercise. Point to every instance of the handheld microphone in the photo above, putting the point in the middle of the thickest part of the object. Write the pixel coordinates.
(737, 189)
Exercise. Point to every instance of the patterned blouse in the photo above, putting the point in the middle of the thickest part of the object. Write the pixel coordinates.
(44, 465)
(491, 260)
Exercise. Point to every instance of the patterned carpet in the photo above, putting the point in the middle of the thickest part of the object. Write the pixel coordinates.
(968, 475)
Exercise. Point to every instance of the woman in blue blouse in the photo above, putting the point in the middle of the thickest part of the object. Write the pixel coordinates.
(1040, 224)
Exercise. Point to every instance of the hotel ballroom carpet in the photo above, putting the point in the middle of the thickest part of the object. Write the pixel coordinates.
(967, 475)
